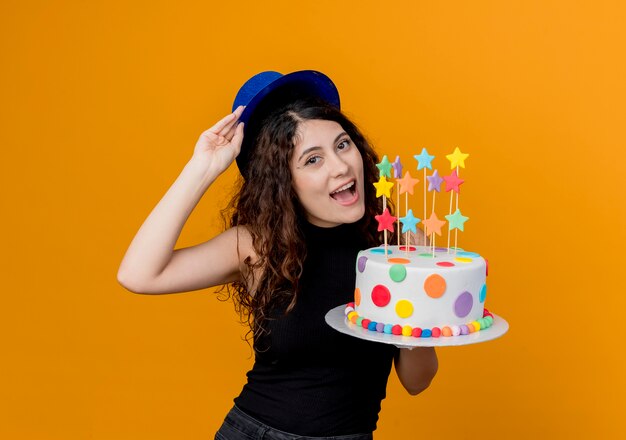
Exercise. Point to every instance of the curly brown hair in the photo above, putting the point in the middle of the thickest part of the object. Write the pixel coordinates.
(267, 205)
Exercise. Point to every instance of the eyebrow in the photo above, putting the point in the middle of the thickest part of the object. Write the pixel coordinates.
(308, 150)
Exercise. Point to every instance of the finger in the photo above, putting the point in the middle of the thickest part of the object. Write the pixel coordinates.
(223, 122)
(231, 132)
(238, 137)
(229, 126)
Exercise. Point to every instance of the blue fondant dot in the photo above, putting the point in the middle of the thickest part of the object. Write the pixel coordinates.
(426, 333)
(483, 294)
(387, 329)
(372, 326)
(381, 251)
(467, 254)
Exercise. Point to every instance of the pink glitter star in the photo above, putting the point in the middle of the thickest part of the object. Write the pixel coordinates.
(385, 220)
(453, 182)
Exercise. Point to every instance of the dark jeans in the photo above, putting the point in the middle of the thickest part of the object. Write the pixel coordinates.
(240, 426)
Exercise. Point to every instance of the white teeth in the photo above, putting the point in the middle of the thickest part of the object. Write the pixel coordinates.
(343, 188)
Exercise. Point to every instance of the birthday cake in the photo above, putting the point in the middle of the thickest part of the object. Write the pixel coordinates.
(409, 292)
(420, 291)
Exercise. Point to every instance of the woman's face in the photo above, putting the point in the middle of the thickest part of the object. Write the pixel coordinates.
(327, 172)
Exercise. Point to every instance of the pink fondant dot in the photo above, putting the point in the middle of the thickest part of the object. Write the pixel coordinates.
(381, 295)
(445, 264)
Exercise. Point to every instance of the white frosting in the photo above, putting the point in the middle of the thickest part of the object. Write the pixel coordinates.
(428, 311)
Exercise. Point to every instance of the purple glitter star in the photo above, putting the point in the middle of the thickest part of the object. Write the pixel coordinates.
(434, 182)
(397, 168)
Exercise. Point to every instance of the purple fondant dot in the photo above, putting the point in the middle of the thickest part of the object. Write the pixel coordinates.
(362, 261)
(464, 330)
(441, 249)
(463, 304)
(380, 327)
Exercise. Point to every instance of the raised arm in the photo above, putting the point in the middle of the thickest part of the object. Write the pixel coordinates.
(151, 265)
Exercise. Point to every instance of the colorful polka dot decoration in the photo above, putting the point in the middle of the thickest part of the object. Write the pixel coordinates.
(394, 329)
(435, 286)
(381, 295)
(380, 251)
(398, 260)
(397, 273)
(404, 308)
(361, 263)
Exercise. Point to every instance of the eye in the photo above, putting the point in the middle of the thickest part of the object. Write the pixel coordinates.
(312, 160)
(344, 144)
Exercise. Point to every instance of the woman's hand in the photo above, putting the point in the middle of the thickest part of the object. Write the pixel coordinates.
(218, 146)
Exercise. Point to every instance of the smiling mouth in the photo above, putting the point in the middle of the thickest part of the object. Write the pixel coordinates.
(345, 194)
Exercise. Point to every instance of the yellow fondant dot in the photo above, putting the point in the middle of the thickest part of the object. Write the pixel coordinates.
(357, 296)
(476, 325)
(404, 308)
(351, 314)
(406, 330)
(463, 259)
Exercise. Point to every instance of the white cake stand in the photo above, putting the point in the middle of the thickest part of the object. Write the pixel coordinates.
(337, 320)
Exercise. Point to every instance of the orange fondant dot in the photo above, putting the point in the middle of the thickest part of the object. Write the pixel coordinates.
(354, 318)
(470, 328)
(357, 296)
(446, 331)
(435, 286)
(399, 260)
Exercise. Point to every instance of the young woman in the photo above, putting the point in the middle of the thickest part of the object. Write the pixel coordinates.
(305, 208)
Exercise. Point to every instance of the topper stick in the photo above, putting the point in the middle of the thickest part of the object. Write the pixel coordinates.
(456, 231)
(385, 231)
(406, 206)
(451, 197)
(398, 208)
(424, 192)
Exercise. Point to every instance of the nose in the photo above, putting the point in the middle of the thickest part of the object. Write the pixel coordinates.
(338, 166)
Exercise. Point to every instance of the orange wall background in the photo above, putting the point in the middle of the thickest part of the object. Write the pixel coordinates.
(102, 103)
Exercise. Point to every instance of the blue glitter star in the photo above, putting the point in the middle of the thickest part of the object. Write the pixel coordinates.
(424, 160)
(409, 221)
